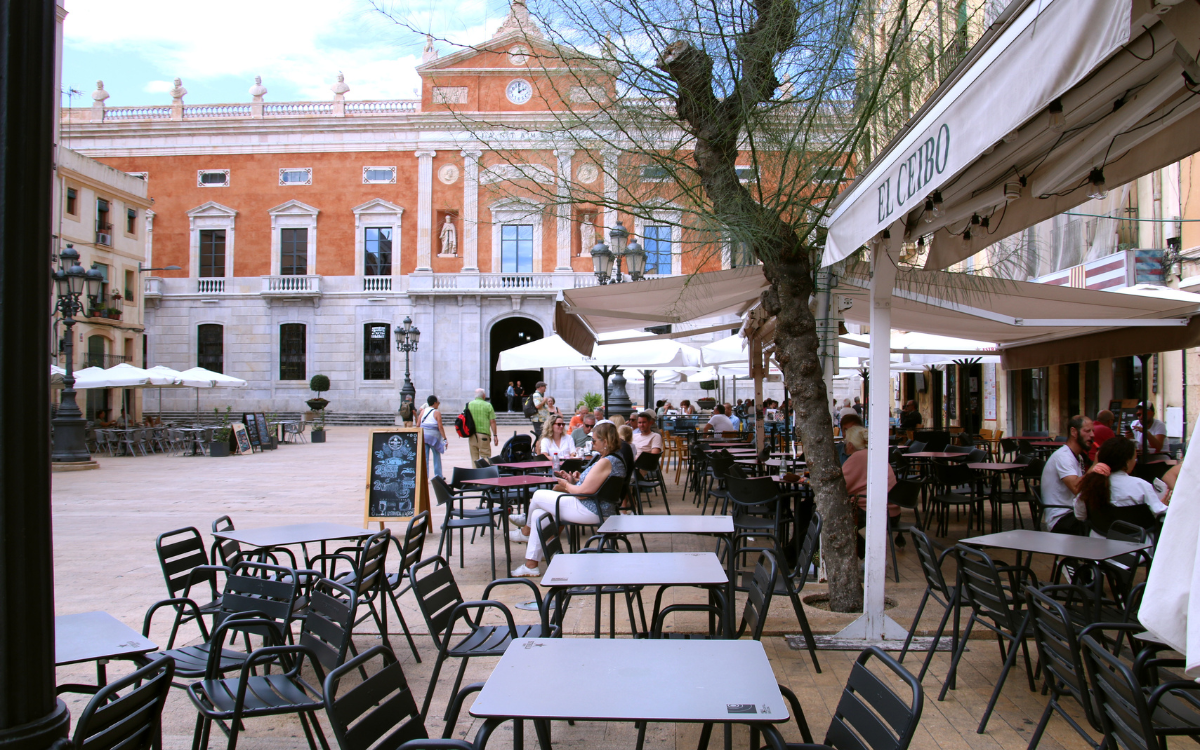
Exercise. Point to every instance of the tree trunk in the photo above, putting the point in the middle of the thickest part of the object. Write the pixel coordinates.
(796, 346)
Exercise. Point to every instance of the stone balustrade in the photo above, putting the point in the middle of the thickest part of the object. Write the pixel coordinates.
(272, 110)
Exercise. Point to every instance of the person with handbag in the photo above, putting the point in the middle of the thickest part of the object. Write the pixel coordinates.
(434, 433)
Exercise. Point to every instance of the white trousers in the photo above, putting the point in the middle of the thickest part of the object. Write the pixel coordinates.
(542, 504)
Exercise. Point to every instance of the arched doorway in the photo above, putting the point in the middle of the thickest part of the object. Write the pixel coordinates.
(506, 334)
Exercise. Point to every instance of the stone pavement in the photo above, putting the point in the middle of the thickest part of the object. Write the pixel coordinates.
(106, 521)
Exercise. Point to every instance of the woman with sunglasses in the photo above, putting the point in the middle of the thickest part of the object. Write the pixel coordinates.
(557, 445)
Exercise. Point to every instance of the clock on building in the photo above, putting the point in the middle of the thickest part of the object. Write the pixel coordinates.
(519, 91)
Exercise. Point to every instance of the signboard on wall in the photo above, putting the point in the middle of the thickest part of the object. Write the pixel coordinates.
(989, 392)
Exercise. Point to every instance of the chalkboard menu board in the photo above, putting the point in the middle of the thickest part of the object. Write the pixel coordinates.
(257, 429)
(1125, 412)
(396, 481)
(243, 440)
(251, 422)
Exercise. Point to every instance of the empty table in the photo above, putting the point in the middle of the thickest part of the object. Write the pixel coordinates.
(98, 637)
(632, 680)
(523, 466)
(1062, 545)
(297, 533)
(996, 469)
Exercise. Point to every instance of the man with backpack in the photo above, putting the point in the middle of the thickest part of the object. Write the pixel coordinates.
(535, 410)
(484, 428)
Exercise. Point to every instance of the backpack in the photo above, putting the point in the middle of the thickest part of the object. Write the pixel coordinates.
(464, 424)
(529, 409)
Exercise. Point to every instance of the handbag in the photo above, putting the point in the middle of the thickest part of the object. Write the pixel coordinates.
(438, 444)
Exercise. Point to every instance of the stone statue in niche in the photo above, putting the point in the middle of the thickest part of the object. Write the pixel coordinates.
(449, 238)
(587, 235)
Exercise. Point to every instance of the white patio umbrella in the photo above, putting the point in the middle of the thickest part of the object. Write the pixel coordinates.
(179, 381)
(56, 376)
(216, 380)
(731, 350)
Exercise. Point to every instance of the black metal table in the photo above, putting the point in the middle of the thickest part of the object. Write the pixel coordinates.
(98, 637)
(303, 534)
(631, 680)
(1062, 545)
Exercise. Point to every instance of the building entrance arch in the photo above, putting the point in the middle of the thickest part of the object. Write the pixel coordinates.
(506, 334)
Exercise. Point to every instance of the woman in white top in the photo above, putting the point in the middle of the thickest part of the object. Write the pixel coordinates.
(1108, 493)
(430, 422)
(557, 444)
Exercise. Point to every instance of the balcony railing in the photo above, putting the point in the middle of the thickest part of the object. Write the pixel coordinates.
(210, 286)
(377, 283)
(267, 110)
(515, 281)
(291, 286)
(104, 360)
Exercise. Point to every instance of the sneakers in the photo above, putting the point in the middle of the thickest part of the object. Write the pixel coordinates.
(525, 572)
(517, 519)
(517, 536)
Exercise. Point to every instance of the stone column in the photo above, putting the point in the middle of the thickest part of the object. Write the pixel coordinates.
(470, 240)
(424, 209)
(563, 209)
(610, 195)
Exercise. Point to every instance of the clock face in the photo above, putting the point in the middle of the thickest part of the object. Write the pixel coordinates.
(519, 91)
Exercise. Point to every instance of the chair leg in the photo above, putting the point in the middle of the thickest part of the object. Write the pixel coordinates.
(913, 628)
(895, 562)
(1041, 726)
(962, 646)
(437, 668)
(937, 637)
(404, 625)
(457, 684)
(1008, 663)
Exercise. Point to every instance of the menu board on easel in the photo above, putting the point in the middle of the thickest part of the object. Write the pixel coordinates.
(264, 431)
(243, 440)
(397, 486)
(251, 422)
(1125, 413)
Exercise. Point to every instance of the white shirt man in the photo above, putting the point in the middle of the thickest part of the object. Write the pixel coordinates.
(644, 437)
(1155, 434)
(719, 422)
(1061, 478)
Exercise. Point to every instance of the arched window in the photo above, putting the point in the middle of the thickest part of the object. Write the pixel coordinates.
(377, 357)
(292, 352)
(210, 347)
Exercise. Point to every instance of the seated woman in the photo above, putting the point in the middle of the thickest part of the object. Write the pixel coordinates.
(855, 472)
(685, 407)
(1108, 493)
(103, 419)
(557, 443)
(604, 440)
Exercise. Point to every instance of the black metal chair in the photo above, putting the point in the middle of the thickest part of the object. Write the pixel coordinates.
(937, 589)
(367, 574)
(997, 606)
(127, 714)
(1054, 629)
(958, 488)
(760, 589)
(409, 553)
(755, 506)
(609, 494)
(870, 714)
(793, 581)
(380, 713)
(648, 476)
(631, 593)
(460, 518)
(442, 605)
(185, 563)
(907, 495)
(230, 552)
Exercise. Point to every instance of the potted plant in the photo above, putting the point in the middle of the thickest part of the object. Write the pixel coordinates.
(318, 430)
(319, 384)
(708, 402)
(114, 313)
(219, 447)
(272, 419)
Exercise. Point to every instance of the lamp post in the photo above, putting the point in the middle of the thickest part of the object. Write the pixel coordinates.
(407, 337)
(71, 281)
(603, 258)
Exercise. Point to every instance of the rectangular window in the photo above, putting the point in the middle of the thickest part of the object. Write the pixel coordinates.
(295, 176)
(103, 227)
(658, 249)
(131, 221)
(210, 339)
(516, 248)
(212, 253)
(292, 352)
(746, 174)
(379, 175)
(72, 208)
(293, 252)
(212, 178)
(740, 255)
(377, 251)
(377, 358)
(129, 287)
(655, 174)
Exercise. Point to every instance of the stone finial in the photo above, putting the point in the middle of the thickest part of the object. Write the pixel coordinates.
(258, 90)
(99, 95)
(518, 20)
(429, 53)
(340, 88)
(178, 92)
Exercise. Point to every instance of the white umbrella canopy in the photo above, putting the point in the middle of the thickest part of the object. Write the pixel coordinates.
(552, 352)
(547, 353)
(218, 380)
(726, 351)
(661, 377)
(88, 377)
(56, 376)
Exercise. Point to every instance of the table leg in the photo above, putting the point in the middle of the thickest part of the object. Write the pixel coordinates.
(101, 672)
(543, 734)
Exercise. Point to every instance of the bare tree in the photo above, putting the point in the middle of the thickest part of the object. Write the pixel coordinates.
(745, 118)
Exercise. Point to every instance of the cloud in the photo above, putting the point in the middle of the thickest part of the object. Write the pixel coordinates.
(158, 87)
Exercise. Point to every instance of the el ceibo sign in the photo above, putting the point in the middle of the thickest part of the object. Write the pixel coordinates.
(927, 161)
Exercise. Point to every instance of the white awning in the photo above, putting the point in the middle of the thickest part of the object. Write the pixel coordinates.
(552, 352)
(992, 145)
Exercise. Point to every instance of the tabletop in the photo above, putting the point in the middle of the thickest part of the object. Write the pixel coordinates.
(775, 462)
(636, 569)
(995, 466)
(1047, 443)
(524, 480)
(739, 444)
(297, 533)
(633, 680)
(89, 636)
(667, 525)
(1049, 543)
(935, 454)
(526, 465)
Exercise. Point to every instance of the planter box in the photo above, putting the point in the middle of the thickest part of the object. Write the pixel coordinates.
(319, 436)
(270, 445)
(218, 449)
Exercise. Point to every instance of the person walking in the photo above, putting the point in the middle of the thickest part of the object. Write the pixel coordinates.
(434, 433)
(485, 427)
(538, 397)
(511, 394)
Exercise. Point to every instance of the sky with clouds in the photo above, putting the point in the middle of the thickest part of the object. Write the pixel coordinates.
(137, 47)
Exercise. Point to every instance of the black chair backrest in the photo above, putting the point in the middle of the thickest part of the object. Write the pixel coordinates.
(977, 455)
(381, 709)
(647, 461)
(1122, 569)
(372, 559)
(754, 495)
(720, 461)
(270, 590)
(180, 551)
(930, 558)
(548, 531)
(127, 714)
(906, 493)
(916, 446)
(228, 550)
(870, 715)
(610, 493)
(760, 589)
(327, 626)
(460, 474)
(1035, 434)
(1054, 630)
(1120, 698)
(441, 491)
(414, 541)
(808, 548)
(935, 440)
(982, 588)
(952, 474)
(482, 463)
(958, 449)
(436, 592)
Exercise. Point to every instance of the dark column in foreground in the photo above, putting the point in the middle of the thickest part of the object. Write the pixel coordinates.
(30, 714)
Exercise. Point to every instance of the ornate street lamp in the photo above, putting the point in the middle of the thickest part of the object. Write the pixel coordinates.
(618, 235)
(71, 281)
(637, 260)
(606, 263)
(602, 262)
(407, 338)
